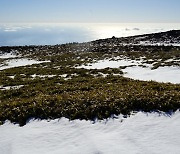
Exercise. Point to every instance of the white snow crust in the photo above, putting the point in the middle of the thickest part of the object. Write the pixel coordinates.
(102, 64)
(20, 62)
(161, 74)
(10, 87)
(7, 55)
(142, 133)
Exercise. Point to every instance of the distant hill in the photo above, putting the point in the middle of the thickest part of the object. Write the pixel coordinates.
(163, 41)
(163, 38)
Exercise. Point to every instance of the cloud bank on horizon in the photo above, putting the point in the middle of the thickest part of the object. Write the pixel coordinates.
(89, 11)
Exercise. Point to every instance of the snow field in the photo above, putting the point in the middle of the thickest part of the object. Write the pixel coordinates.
(149, 133)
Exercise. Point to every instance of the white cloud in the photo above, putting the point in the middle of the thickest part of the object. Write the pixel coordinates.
(10, 30)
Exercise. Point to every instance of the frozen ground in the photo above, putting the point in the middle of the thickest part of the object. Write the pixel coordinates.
(142, 133)
(161, 74)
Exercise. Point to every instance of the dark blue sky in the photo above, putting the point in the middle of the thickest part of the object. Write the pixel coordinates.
(106, 11)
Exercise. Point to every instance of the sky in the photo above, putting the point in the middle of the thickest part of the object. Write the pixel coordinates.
(91, 11)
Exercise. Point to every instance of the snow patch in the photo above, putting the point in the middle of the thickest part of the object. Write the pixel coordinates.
(161, 74)
(136, 71)
(10, 87)
(148, 43)
(7, 55)
(102, 64)
(20, 62)
(42, 76)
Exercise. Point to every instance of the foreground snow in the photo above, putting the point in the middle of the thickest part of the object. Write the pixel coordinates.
(141, 133)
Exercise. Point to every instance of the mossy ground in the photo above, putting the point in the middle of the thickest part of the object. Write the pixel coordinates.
(83, 94)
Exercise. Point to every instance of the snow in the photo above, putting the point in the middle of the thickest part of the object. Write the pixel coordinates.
(10, 87)
(42, 76)
(102, 64)
(148, 43)
(161, 74)
(20, 62)
(7, 55)
(134, 71)
(63, 75)
(12, 76)
(149, 133)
